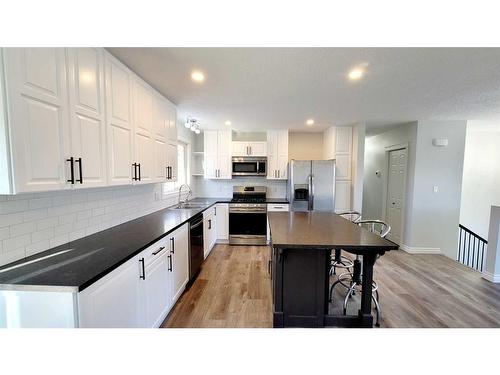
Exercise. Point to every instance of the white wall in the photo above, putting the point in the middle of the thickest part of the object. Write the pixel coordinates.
(435, 216)
(305, 146)
(481, 175)
(375, 160)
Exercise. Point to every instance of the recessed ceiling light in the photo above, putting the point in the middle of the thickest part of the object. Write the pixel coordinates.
(228, 123)
(356, 73)
(310, 122)
(197, 76)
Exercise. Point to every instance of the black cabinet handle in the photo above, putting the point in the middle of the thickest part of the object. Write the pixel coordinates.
(135, 171)
(139, 171)
(209, 224)
(170, 262)
(269, 267)
(72, 170)
(79, 161)
(173, 245)
(169, 173)
(143, 276)
(157, 251)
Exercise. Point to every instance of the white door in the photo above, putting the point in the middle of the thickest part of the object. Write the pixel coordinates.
(224, 162)
(395, 193)
(240, 148)
(119, 128)
(87, 111)
(157, 290)
(180, 261)
(210, 153)
(172, 122)
(272, 154)
(114, 300)
(38, 117)
(144, 151)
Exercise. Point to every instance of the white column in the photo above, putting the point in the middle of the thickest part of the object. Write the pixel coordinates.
(491, 271)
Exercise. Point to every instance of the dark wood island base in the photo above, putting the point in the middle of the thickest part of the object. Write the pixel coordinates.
(300, 262)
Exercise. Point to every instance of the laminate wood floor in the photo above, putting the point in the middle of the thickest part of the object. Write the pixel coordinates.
(233, 290)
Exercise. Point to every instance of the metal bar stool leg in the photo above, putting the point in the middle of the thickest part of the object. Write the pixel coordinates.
(377, 309)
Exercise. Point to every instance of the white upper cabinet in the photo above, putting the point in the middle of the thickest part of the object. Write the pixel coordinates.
(277, 154)
(165, 138)
(217, 150)
(249, 148)
(88, 117)
(119, 126)
(37, 124)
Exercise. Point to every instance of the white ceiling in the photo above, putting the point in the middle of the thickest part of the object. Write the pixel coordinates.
(265, 88)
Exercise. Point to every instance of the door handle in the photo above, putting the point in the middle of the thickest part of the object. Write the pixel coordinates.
(209, 224)
(72, 170)
(139, 171)
(79, 161)
(134, 165)
(143, 276)
(170, 262)
(172, 240)
(157, 251)
(279, 173)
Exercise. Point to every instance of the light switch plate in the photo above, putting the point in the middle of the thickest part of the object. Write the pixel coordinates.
(436, 188)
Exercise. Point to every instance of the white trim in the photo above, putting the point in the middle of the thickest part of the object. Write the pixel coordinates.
(491, 277)
(420, 250)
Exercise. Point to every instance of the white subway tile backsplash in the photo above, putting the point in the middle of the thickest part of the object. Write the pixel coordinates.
(31, 223)
(19, 229)
(14, 243)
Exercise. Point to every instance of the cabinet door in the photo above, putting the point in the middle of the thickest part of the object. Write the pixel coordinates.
(88, 129)
(180, 261)
(160, 117)
(272, 154)
(222, 218)
(144, 151)
(156, 287)
(240, 149)
(172, 160)
(224, 154)
(172, 122)
(282, 154)
(119, 129)
(343, 140)
(342, 196)
(258, 148)
(210, 153)
(143, 107)
(114, 300)
(160, 173)
(38, 117)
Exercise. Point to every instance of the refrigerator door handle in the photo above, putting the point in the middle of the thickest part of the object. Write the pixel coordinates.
(311, 194)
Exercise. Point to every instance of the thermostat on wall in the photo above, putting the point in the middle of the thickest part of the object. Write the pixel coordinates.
(440, 142)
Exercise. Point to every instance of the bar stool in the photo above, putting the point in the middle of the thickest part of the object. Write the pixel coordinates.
(337, 259)
(353, 280)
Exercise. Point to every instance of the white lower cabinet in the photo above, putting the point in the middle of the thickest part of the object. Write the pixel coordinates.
(141, 292)
(209, 230)
(222, 220)
(275, 207)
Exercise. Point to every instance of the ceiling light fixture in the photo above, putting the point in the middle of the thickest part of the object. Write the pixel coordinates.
(228, 123)
(192, 124)
(310, 122)
(355, 74)
(197, 76)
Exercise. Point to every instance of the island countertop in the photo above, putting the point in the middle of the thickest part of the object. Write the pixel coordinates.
(320, 230)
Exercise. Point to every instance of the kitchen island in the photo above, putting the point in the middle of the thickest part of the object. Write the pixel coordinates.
(301, 244)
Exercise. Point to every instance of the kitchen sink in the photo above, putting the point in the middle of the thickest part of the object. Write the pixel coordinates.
(187, 206)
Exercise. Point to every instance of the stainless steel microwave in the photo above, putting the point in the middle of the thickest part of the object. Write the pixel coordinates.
(249, 166)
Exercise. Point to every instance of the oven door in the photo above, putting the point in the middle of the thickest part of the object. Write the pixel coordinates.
(247, 226)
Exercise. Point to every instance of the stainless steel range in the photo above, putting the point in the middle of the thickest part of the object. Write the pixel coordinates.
(248, 216)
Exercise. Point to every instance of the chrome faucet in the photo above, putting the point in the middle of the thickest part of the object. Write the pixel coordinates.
(190, 192)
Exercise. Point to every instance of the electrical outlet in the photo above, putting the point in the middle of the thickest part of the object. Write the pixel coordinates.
(436, 189)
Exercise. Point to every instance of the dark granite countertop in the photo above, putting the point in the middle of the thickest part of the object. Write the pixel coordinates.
(320, 230)
(78, 264)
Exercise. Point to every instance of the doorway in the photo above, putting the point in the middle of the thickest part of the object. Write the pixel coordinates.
(396, 187)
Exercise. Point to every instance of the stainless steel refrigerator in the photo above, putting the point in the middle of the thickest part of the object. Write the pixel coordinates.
(311, 185)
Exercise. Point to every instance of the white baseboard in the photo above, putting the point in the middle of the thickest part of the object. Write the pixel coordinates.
(491, 277)
(420, 250)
